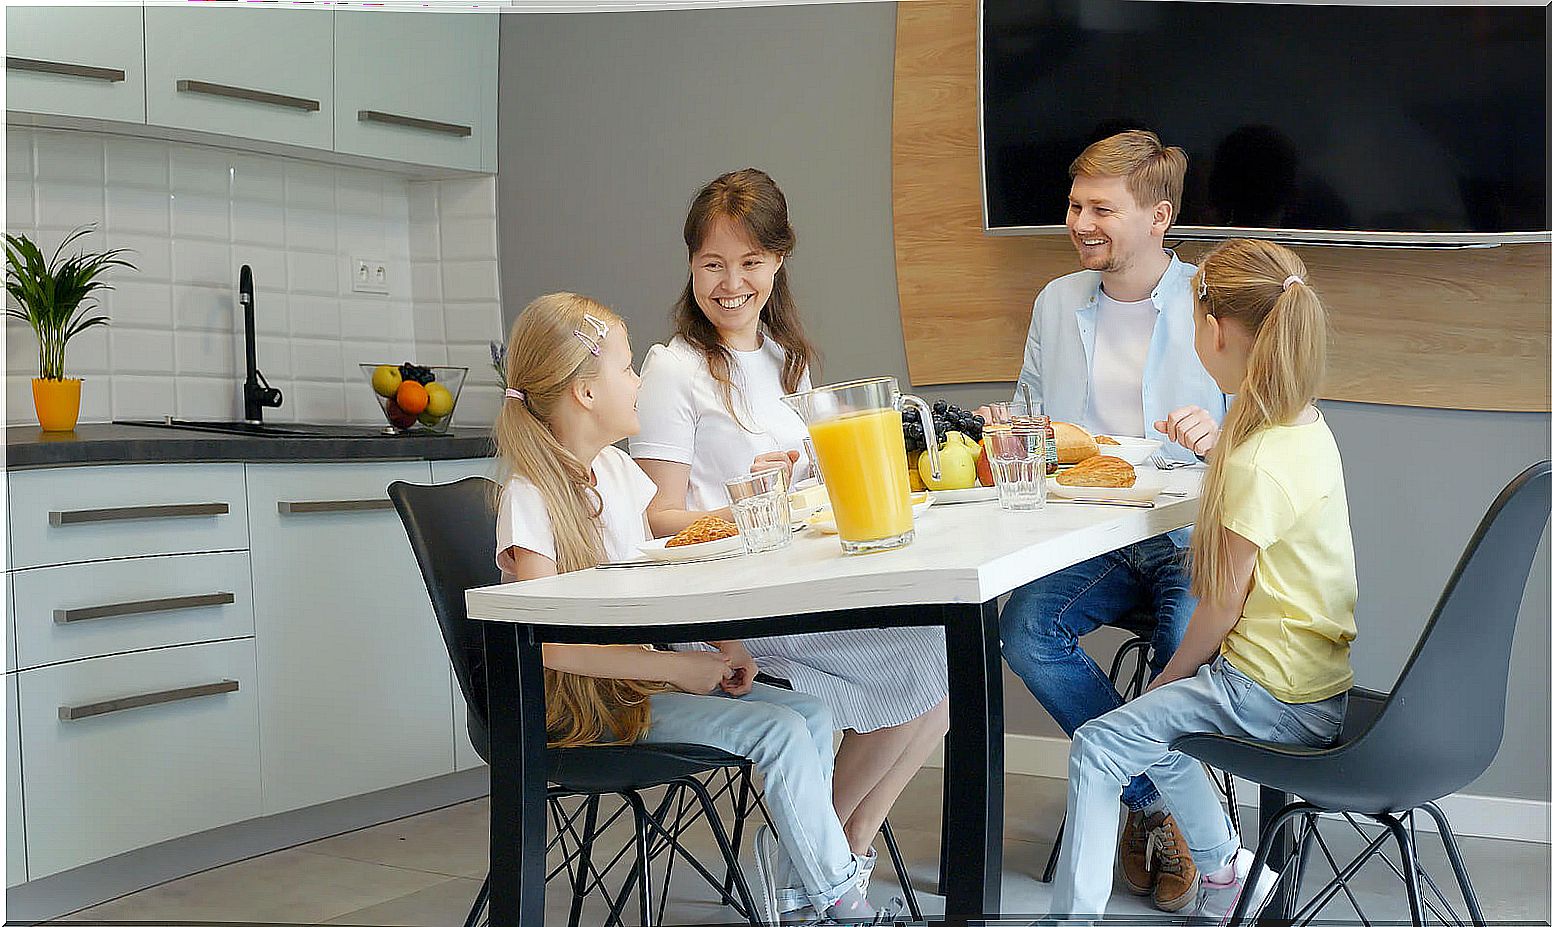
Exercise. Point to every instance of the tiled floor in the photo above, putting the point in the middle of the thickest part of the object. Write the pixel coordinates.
(426, 869)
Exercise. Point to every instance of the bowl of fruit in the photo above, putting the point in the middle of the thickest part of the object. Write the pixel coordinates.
(959, 448)
(415, 397)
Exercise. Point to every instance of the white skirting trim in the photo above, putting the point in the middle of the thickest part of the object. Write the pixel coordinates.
(1470, 815)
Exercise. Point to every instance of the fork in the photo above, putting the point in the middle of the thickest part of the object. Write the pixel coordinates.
(1163, 463)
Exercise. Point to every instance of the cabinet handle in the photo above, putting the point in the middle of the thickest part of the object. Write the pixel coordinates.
(411, 122)
(77, 712)
(188, 510)
(334, 505)
(252, 96)
(120, 609)
(63, 68)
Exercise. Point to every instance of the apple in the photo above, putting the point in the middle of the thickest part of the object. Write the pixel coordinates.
(983, 466)
(956, 459)
(399, 418)
(385, 380)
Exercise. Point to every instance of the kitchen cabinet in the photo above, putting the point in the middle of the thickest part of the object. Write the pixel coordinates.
(76, 61)
(441, 111)
(15, 830)
(353, 676)
(249, 73)
(130, 750)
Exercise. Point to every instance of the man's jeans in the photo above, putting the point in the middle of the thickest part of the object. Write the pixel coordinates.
(1043, 621)
(1106, 752)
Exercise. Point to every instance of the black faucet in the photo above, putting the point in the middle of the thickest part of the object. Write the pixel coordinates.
(257, 393)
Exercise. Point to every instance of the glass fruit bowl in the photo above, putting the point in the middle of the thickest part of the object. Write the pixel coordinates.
(422, 401)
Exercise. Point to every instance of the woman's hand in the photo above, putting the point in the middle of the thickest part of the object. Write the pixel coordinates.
(743, 665)
(1192, 428)
(776, 460)
(699, 672)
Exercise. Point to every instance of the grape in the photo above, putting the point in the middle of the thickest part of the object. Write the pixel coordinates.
(939, 407)
(911, 414)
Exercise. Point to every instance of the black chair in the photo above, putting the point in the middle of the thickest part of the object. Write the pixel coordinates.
(1435, 732)
(1139, 648)
(452, 530)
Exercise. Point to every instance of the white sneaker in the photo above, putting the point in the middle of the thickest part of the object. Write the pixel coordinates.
(1215, 903)
(765, 871)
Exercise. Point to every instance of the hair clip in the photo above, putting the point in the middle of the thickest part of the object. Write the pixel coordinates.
(600, 328)
(1201, 286)
(1291, 280)
(517, 394)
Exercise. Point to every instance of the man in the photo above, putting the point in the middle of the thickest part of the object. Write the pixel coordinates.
(1111, 348)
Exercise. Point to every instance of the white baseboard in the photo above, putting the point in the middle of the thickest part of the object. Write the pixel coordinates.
(1470, 815)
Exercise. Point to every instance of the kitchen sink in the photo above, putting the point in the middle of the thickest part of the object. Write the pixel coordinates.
(267, 429)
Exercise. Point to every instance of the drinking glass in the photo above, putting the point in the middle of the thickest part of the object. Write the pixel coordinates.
(761, 510)
(1016, 451)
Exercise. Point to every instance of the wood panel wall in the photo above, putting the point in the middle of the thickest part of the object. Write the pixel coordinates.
(1459, 329)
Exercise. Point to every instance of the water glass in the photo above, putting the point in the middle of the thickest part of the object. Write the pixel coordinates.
(761, 510)
(1016, 451)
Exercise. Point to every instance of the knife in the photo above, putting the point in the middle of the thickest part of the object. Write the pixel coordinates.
(1125, 503)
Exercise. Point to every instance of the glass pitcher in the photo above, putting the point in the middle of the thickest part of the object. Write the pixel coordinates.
(855, 429)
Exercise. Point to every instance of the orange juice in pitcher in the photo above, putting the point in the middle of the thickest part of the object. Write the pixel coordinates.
(855, 429)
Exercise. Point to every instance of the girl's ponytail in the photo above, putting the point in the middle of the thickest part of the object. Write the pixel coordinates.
(1263, 287)
(545, 356)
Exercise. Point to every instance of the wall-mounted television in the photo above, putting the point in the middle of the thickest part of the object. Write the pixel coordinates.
(1375, 124)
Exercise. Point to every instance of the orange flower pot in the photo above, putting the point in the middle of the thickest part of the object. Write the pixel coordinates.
(58, 403)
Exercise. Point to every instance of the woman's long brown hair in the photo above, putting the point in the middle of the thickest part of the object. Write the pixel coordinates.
(750, 199)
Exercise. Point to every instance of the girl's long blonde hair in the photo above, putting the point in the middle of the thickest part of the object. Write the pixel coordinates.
(1264, 288)
(545, 357)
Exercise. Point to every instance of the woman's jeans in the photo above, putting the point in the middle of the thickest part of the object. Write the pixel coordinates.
(1108, 751)
(789, 737)
(1043, 621)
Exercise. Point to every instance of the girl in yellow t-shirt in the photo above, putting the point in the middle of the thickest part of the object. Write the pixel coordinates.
(1265, 654)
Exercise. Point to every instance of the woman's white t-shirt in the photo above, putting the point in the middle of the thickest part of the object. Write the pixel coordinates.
(683, 419)
(523, 521)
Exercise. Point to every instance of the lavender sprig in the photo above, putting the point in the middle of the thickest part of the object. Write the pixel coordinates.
(498, 360)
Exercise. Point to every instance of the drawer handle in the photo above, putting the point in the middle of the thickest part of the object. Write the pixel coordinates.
(63, 68)
(187, 510)
(77, 712)
(411, 122)
(120, 609)
(251, 96)
(335, 505)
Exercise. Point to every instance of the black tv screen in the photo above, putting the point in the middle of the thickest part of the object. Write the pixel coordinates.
(1314, 122)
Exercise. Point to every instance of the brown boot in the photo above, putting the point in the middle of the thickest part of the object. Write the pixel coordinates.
(1175, 881)
(1136, 868)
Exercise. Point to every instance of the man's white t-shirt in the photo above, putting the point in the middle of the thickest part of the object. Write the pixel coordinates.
(523, 521)
(684, 420)
(1122, 333)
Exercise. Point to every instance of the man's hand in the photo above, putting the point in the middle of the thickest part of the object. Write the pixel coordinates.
(699, 672)
(776, 460)
(1190, 427)
(743, 666)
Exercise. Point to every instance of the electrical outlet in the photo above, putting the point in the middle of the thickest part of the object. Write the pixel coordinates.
(369, 276)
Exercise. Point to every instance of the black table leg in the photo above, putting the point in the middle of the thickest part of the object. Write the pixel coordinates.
(515, 686)
(1279, 907)
(972, 828)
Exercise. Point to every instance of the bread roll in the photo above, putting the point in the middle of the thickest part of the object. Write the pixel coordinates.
(1108, 472)
(1106, 440)
(1073, 444)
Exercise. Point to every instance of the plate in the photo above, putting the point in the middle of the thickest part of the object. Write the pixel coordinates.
(973, 494)
(823, 521)
(1134, 451)
(658, 550)
(1148, 485)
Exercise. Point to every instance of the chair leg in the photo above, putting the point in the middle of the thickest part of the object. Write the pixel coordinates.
(584, 860)
(643, 856)
(1452, 850)
(1232, 800)
(905, 877)
(740, 811)
(1272, 831)
(1056, 851)
(479, 904)
(1408, 852)
(735, 873)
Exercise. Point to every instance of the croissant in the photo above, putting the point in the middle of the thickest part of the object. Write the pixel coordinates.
(709, 528)
(1109, 472)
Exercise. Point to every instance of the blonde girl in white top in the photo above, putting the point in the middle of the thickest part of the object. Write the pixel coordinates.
(710, 410)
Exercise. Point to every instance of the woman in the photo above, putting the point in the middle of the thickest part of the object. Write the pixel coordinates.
(710, 410)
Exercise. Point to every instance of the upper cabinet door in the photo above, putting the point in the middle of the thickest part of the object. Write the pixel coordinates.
(76, 61)
(250, 73)
(417, 87)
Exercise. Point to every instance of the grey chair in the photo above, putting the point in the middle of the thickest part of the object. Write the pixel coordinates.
(1434, 733)
(452, 529)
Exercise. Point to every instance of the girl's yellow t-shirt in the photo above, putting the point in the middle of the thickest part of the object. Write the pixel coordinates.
(1284, 493)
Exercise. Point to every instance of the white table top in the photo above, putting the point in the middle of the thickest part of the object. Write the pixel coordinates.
(963, 554)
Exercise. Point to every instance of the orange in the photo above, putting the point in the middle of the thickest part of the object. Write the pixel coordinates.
(411, 397)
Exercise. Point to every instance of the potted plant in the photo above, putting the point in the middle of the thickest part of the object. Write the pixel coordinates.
(56, 297)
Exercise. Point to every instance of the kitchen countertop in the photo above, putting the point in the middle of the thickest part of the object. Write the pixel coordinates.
(28, 446)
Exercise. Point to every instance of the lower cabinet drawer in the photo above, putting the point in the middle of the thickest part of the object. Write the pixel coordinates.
(125, 751)
(115, 606)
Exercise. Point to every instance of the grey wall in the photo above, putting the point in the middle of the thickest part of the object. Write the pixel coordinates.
(610, 122)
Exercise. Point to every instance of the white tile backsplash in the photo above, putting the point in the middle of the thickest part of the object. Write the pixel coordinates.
(193, 215)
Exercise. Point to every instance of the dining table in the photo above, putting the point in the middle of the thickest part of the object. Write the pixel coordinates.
(962, 559)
